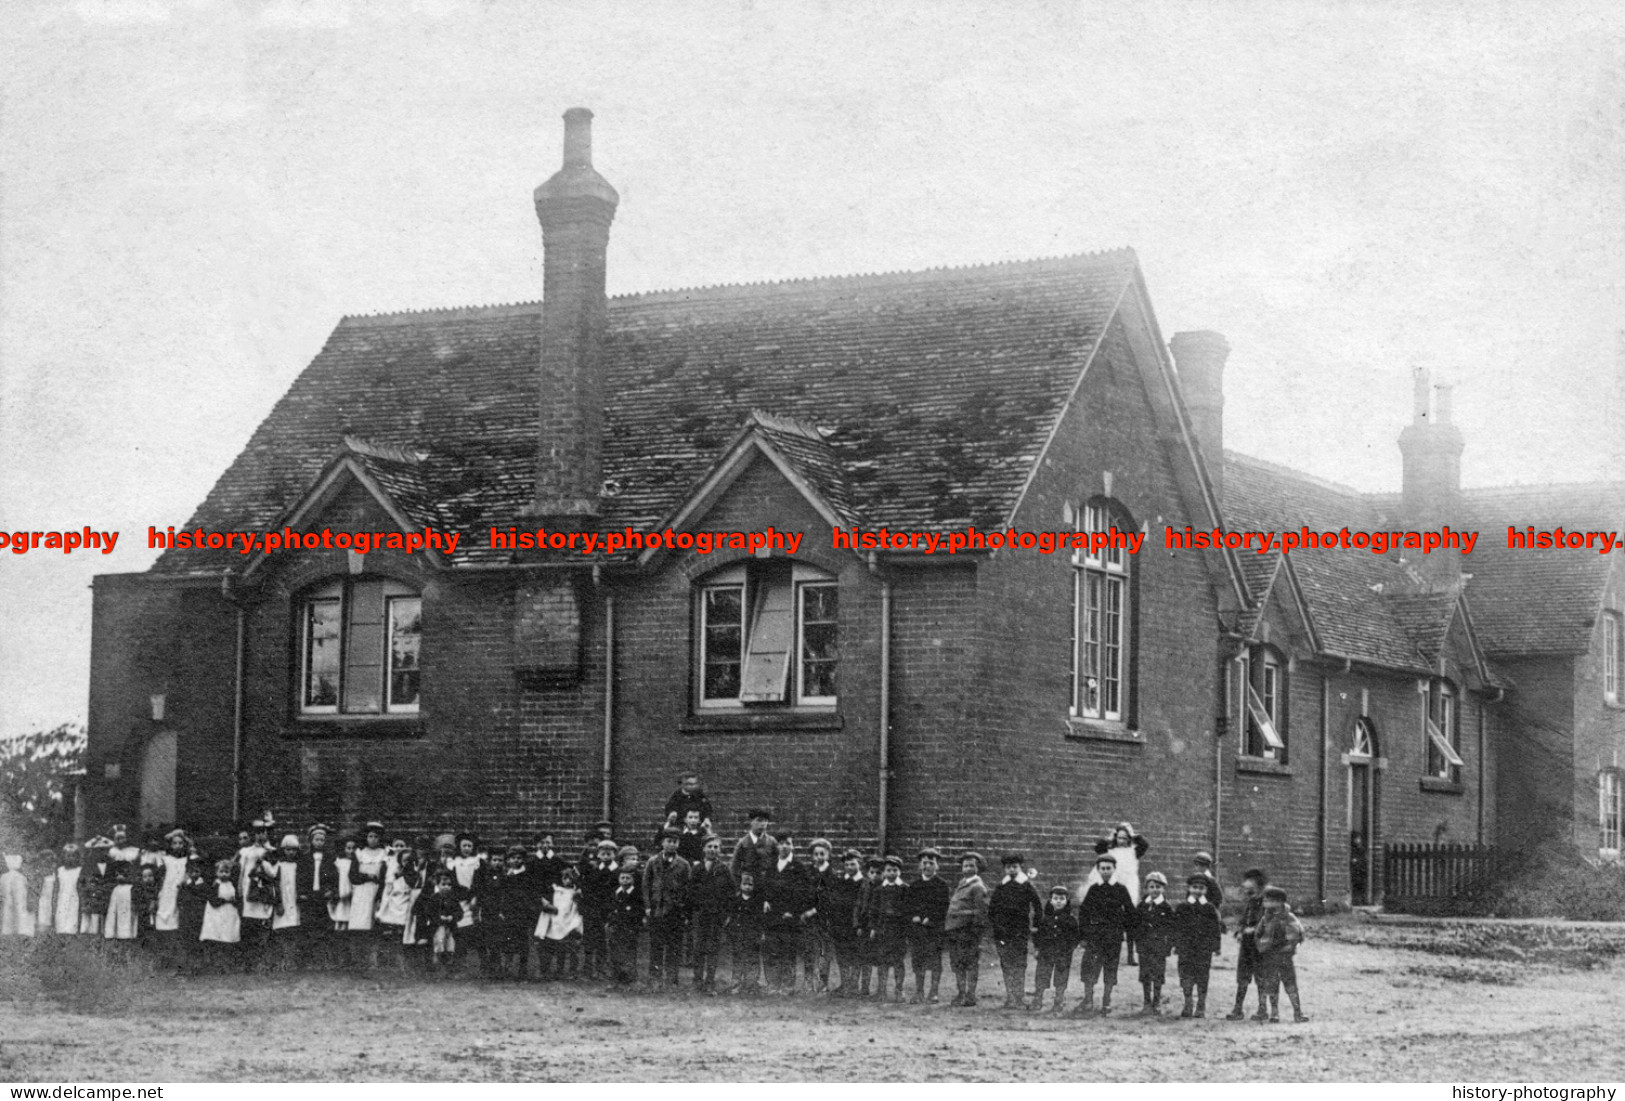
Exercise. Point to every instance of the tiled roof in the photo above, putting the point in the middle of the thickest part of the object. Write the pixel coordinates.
(932, 392)
(1540, 601)
(1341, 588)
(810, 454)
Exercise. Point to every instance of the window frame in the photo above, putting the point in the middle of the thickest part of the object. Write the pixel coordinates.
(748, 578)
(1609, 792)
(1613, 660)
(340, 594)
(1441, 712)
(1265, 675)
(1098, 578)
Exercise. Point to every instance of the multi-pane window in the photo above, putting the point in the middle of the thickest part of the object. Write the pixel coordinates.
(768, 633)
(1611, 656)
(1442, 732)
(1263, 704)
(1100, 620)
(1608, 808)
(359, 642)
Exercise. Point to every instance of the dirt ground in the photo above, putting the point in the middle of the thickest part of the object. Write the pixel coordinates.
(1381, 1010)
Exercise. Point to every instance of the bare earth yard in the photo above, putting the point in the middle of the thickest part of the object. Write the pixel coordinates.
(1468, 1010)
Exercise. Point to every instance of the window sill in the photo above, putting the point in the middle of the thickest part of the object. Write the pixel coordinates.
(355, 726)
(1440, 784)
(1101, 730)
(1263, 766)
(762, 721)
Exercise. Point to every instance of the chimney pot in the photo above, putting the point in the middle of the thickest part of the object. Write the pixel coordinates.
(578, 138)
(1199, 359)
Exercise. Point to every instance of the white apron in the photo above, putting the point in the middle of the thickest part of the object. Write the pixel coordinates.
(287, 872)
(364, 898)
(567, 920)
(223, 924)
(16, 917)
(169, 892)
(339, 909)
(120, 923)
(45, 906)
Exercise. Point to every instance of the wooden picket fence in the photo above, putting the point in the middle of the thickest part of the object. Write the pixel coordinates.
(1439, 879)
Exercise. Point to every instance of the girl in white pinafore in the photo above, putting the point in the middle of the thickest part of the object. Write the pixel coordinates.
(176, 868)
(338, 911)
(287, 870)
(66, 917)
(222, 921)
(366, 879)
(123, 860)
(45, 893)
(559, 929)
(16, 916)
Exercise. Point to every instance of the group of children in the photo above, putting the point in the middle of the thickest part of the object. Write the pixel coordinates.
(302, 903)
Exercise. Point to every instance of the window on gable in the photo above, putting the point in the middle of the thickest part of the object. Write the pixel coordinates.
(1441, 730)
(359, 640)
(1101, 590)
(768, 633)
(1612, 657)
(1263, 704)
(1608, 814)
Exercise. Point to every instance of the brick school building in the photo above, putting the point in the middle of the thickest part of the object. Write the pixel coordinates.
(1297, 712)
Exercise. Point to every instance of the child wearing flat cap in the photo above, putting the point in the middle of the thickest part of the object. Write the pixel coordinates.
(1014, 909)
(964, 926)
(1156, 936)
(1198, 932)
(1105, 916)
(1278, 936)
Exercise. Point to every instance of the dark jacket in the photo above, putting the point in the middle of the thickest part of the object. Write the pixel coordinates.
(665, 885)
(710, 891)
(789, 893)
(1155, 937)
(1279, 933)
(1215, 893)
(754, 856)
(747, 916)
(691, 846)
(1105, 914)
(315, 885)
(435, 911)
(597, 889)
(838, 906)
(1014, 909)
(626, 910)
(681, 803)
(1057, 931)
(888, 907)
(927, 900)
(1198, 931)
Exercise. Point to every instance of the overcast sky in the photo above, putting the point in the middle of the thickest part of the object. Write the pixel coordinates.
(193, 192)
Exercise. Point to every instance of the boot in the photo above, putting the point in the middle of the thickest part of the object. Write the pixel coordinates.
(1060, 999)
(936, 980)
(1106, 1000)
(1086, 1006)
(863, 981)
(1201, 1003)
(1189, 1010)
(1156, 999)
(1146, 1008)
(919, 988)
(899, 996)
(1037, 1002)
(959, 987)
(1238, 1014)
(974, 976)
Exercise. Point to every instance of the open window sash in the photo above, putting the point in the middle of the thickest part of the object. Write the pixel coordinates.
(1266, 725)
(1442, 744)
(772, 637)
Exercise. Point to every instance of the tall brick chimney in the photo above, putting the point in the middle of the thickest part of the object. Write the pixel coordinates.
(1431, 447)
(575, 208)
(1199, 357)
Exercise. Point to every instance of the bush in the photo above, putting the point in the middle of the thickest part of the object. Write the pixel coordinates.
(1558, 883)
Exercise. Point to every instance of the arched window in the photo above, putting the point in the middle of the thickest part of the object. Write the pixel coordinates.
(358, 648)
(1264, 704)
(767, 632)
(1102, 661)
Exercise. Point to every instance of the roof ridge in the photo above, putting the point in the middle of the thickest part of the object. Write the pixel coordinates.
(1291, 472)
(760, 286)
(1609, 484)
(780, 422)
(940, 271)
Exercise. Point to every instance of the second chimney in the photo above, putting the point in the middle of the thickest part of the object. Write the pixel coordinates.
(1199, 357)
(1431, 447)
(575, 207)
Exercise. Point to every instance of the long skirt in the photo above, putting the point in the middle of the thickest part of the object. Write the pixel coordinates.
(120, 923)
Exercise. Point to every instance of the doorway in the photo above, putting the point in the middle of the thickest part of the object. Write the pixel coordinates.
(1362, 815)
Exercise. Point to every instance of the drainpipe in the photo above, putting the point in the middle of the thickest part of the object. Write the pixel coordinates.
(882, 810)
(609, 705)
(1481, 709)
(1218, 756)
(227, 590)
(1325, 752)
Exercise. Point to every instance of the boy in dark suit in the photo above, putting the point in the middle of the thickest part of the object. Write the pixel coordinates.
(711, 894)
(745, 921)
(665, 896)
(1105, 916)
(1055, 937)
(1014, 909)
(890, 924)
(1252, 909)
(837, 910)
(926, 906)
(1156, 937)
(1197, 933)
(316, 884)
(864, 922)
(598, 879)
(1279, 934)
(625, 924)
(790, 901)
